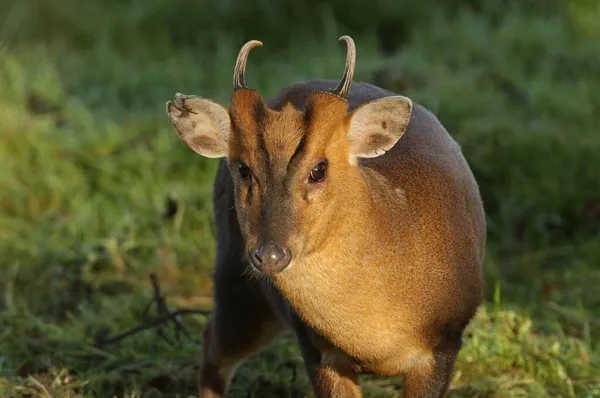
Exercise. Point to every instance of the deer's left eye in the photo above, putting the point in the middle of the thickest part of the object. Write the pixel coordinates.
(317, 174)
(244, 171)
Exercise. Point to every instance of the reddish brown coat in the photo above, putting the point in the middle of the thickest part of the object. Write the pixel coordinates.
(386, 252)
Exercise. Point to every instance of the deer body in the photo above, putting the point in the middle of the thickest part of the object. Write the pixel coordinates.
(382, 279)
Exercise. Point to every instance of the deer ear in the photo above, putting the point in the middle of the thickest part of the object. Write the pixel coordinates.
(374, 128)
(203, 124)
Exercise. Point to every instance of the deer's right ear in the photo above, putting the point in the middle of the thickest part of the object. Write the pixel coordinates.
(203, 124)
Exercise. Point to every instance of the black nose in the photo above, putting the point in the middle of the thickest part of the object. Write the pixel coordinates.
(271, 259)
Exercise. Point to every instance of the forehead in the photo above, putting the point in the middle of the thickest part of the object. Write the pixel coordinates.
(262, 135)
(281, 133)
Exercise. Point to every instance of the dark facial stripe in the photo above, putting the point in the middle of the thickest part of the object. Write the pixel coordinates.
(308, 114)
(295, 157)
(260, 114)
(262, 148)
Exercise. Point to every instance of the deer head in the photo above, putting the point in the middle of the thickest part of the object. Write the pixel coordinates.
(293, 169)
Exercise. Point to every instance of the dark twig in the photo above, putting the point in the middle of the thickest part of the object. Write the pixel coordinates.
(160, 300)
(164, 316)
(154, 323)
(163, 309)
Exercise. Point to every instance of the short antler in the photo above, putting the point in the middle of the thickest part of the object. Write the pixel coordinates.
(239, 74)
(344, 85)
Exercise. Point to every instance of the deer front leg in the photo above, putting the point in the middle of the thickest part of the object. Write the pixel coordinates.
(241, 325)
(433, 381)
(329, 379)
(329, 382)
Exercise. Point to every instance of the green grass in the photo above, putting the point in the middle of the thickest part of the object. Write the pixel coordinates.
(89, 162)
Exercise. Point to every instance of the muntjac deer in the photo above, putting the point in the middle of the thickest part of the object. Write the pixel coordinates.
(348, 215)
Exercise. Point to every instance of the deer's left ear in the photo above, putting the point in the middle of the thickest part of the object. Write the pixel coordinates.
(203, 124)
(375, 127)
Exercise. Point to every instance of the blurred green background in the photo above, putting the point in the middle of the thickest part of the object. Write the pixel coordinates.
(91, 172)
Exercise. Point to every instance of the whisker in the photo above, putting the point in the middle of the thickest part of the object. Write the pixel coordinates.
(250, 270)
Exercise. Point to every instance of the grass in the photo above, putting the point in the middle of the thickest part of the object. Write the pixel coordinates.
(89, 165)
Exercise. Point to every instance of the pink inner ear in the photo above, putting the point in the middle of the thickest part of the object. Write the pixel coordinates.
(376, 139)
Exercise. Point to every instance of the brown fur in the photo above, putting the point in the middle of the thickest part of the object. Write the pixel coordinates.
(387, 252)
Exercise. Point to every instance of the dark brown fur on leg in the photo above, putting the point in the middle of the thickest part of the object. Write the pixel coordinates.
(433, 381)
(242, 324)
(328, 381)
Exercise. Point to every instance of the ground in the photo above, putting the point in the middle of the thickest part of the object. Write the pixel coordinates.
(97, 191)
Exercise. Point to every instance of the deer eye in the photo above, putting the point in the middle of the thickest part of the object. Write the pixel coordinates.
(317, 174)
(244, 171)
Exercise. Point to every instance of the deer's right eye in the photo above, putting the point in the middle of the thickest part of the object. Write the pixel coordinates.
(244, 171)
